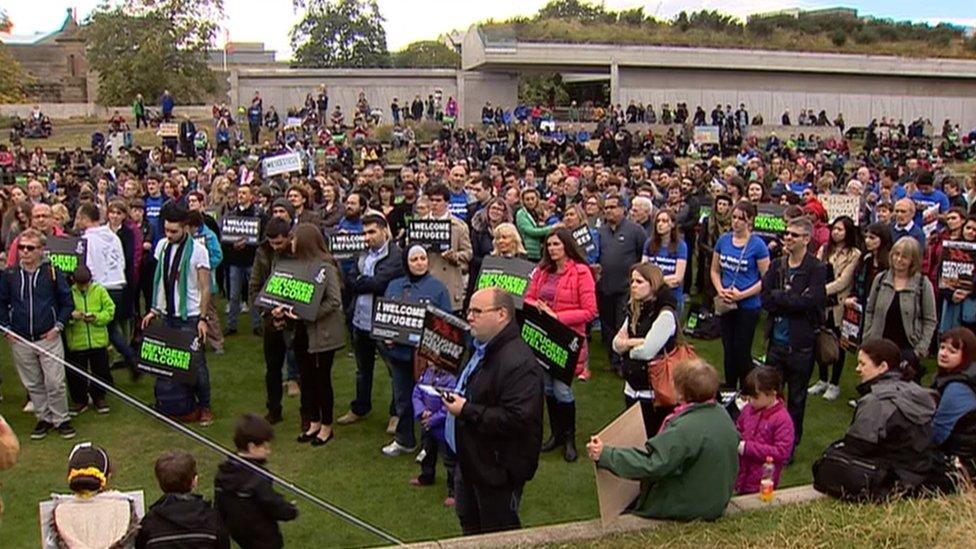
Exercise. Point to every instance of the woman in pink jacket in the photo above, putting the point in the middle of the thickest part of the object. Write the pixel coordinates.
(562, 286)
(765, 428)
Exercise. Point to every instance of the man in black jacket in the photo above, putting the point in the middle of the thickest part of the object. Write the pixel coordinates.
(495, 426)
(794, 294)
(239, 257)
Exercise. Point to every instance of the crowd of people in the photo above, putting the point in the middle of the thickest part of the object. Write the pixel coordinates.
(627, 248)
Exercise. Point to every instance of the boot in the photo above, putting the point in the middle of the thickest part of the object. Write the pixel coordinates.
(569, 428)
(555, 426)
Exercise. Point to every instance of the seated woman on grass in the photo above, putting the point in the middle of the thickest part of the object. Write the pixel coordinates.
(688, 470)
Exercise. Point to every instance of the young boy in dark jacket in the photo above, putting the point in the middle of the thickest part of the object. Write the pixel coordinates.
(244, 498)
(180, 519)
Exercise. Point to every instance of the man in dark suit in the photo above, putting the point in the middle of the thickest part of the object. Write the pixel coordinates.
(495, 426)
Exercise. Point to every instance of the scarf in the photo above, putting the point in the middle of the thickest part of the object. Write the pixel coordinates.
(718, 225)
(183, 273)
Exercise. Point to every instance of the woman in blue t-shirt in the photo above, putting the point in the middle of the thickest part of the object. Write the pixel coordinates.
(668, 251)
(739, 261)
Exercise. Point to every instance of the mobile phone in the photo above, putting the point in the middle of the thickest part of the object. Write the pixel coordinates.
(446, 395)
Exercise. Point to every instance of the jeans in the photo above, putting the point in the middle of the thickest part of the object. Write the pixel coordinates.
(401, 373)
(738, 328)
(560, 391)
(94, 361)
(202, 388)
(796, 365)
(274, 358)
(482, 509)
(115, 335)
(611, 308)
(237, 279)
(428, 465)
(364, 349)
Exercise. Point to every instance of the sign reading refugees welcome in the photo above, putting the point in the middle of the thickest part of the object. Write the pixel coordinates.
(769, 219)
(510, 274)
(958, 265)
(170, 353)
(66, 252)
(295, 285)
(556, 346)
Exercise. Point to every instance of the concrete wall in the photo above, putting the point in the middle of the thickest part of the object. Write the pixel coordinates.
(479, 87)
(62, 111)
(859, 98)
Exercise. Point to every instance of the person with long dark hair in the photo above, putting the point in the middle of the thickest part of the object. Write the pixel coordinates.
(562, 287)
(954, 424)
(959, 304)
(666, 249)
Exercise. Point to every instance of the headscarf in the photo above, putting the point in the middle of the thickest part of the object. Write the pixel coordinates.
(719, 224)
(414, 250)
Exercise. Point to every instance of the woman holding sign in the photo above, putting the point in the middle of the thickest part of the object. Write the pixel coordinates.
(959, 302)
(563, 287)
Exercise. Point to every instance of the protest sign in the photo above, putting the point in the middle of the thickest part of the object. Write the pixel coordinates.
(615, 494)
(235, 228)
(769, 219)
(850, 327)
(442, 340)
(347, 245)
(135, 500)
(169, 129)
(398, 321)
(706, 135)
(293, 121)
(957, 267)
(584, 239)
(556, 346)
(171, 353)
(283, 163)
(433, 234)
(703, 213)
(66, 252)
(930, 220)
(296, 285)
(508, 273)
(838, 205)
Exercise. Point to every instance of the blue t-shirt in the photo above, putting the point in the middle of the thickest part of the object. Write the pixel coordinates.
(743, 272)
(926, 200)
(458, 205)
(668, 263)
(781, 324)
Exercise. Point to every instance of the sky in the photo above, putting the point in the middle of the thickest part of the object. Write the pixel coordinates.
(270, 21)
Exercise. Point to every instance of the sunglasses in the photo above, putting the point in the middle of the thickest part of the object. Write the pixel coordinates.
(792, 234)
(26, 247)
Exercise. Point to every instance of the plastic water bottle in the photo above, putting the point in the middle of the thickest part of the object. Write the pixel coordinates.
(766, 484)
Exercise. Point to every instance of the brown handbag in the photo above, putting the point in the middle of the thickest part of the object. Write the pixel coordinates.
(660, 373)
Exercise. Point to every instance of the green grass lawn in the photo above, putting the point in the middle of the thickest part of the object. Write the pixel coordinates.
(350, 471)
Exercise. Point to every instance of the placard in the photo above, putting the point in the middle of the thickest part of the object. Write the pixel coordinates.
(234, 228)
(347, 245)
(957, 266)
(169, 129)
(850, 326)
(442, 340)
(769, 219)
(838, 205)
(433, 234)
(930, 220)
(508, 273)
(398, 321)
(66, 252)
(556, 346)
(706, 135)
(296, 285)
(584, 239)
(293, 121)
(615, 494)
(283, 163)
(171, 353)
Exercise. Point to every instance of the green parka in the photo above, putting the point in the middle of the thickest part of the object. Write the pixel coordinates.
(83, 335)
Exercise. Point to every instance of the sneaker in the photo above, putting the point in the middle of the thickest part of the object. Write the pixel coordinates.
(66, 430)
(391, 427)
(40, 430)
(101, 406)
(832, 392)
(420, 456)
(395, 449)
(349, 417)
(852, 403)
(219, 351)
(206, 417)
(29, 408)
(449, 501)
(227, 308)
(245, 308)
(292, 388)
(817, 388)
(77, 409)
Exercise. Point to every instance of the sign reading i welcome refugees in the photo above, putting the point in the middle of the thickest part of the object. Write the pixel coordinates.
(234, 228)
(398, 321)
(434, 234)
(283, 163)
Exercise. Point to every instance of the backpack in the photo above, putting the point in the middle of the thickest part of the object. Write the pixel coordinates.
(701, 324)
(174, 399)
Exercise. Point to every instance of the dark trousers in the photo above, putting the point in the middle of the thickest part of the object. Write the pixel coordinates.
(653, 417)
(274, 358)
(115, 335)
(94, 361)
(315, 374)
(255, 130)
(482, 509)
(145, 285)
(202, 388)
(401, 373)
(428, 465)
(796, 365)
(738, 327)
(611, 308)
(141, 119)
(364, 349)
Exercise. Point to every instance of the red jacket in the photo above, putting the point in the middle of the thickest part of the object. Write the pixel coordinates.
(575, 300)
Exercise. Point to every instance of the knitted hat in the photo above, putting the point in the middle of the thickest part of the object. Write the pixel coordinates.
(284, 203)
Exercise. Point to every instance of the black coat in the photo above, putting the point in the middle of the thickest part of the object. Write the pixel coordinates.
(249, 506)
(245, 256)
(182, 521)
(386, 269)
(802, 299)
(499, 431)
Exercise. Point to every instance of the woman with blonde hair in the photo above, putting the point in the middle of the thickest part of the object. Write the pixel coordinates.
(507, 242)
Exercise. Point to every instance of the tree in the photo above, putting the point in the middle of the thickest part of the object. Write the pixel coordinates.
(339, 33)
(426, 54)
(571, 9)
(12, 77)
(147, 46)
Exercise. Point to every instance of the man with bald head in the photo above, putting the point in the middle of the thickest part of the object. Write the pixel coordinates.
(904, 223)
(42, 219)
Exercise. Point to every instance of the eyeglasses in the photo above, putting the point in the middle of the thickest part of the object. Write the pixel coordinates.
(792, 234)
(26, 247)
(475, 312)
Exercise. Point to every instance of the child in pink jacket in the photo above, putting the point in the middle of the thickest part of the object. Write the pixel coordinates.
(765, 428)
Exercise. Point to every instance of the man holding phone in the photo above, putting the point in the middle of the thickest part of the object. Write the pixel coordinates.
(495, 426)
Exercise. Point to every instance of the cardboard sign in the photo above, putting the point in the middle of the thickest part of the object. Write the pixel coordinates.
(235, 228)
(706, 135)
(293, 121)
(442, 340)
(556, 346)
(584, 239)
(958, 265)
(283, 163)
(433, 234)
(171, 353)
(398, 321)
(347, 245)
(66, 252)
(295, 285)
(850, 327)
(769, 219)
(169, 129)
(930, 220)
(839, 205)
(136, 499)
(615, 494)
(508, 273)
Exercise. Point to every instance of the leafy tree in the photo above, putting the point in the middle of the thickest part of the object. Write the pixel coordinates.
(12, 77)
(426, 54)
(147, 46)
(633, 17)
(571, 9)
(540, 88)
(339, 33)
